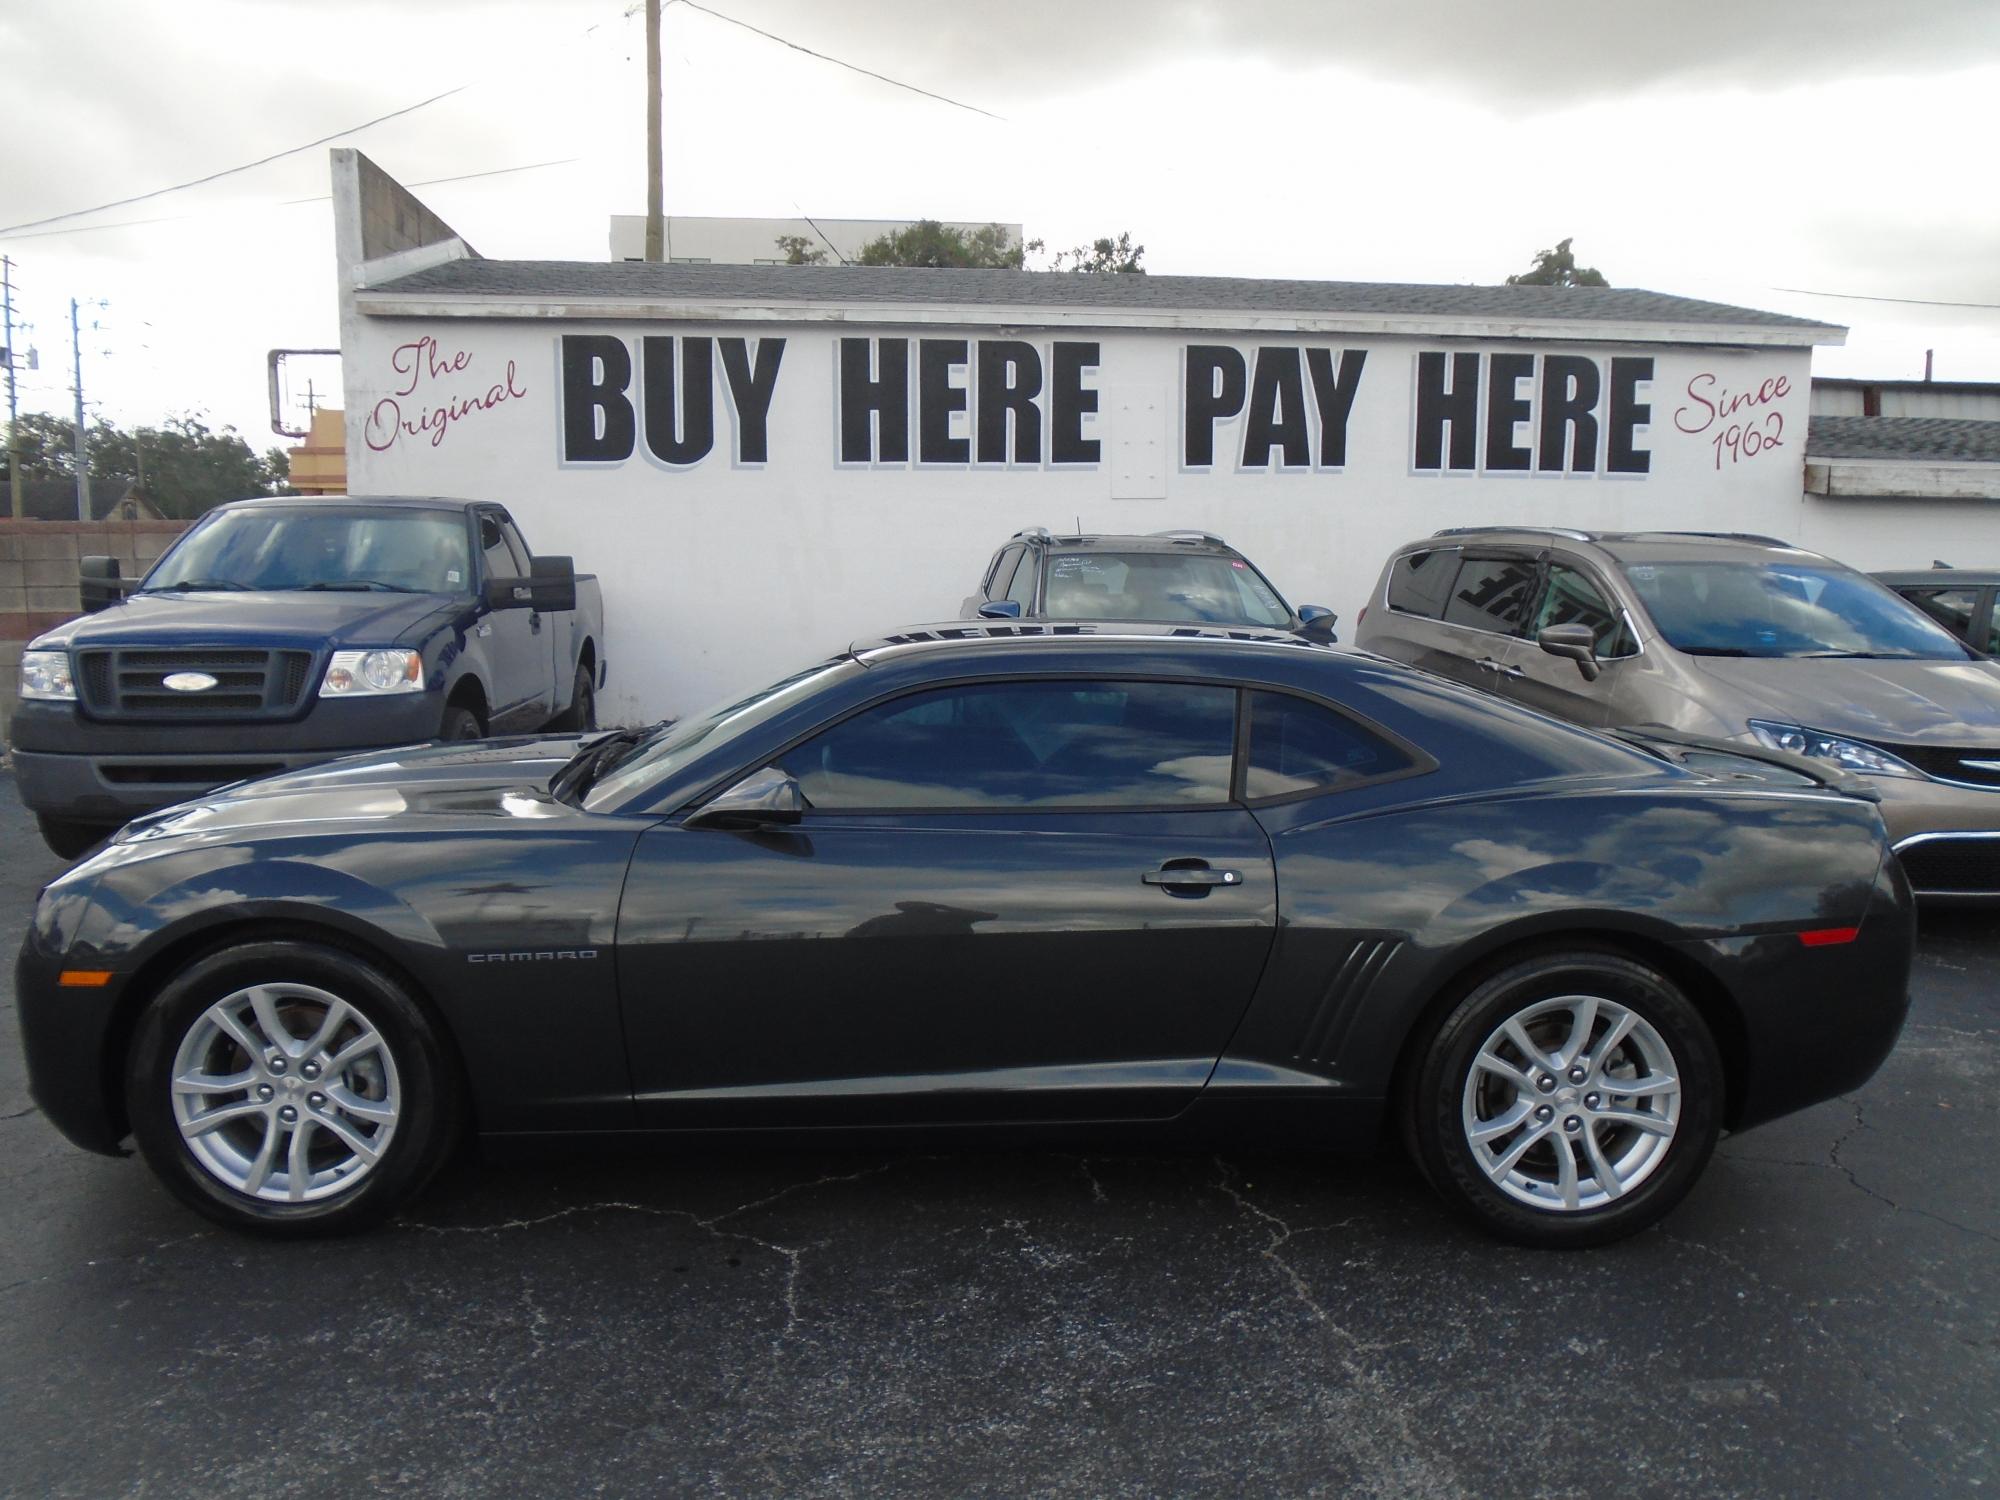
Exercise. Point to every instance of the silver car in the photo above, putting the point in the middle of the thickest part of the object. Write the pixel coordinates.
(1724, 635)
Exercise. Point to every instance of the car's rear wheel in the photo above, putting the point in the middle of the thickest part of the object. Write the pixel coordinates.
(459, 724)
(581, 715)
(1570, 1099)
(290, 1089)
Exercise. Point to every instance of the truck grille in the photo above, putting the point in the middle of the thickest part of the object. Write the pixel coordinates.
(131, 683)
(1974, 765)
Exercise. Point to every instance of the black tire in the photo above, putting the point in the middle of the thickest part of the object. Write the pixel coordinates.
(581, 715)
(424, 1088)
(1441, 1095)
(460, 724)
(73, 840)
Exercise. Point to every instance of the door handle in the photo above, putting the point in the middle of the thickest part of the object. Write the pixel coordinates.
(1505, 671)
(534, 622)
(1191, 874)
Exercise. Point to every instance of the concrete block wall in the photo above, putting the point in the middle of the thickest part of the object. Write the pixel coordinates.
(38, 579)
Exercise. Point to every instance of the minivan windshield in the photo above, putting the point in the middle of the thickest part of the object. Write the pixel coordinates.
(1772, 609)
(1196, 587)
(329, 547)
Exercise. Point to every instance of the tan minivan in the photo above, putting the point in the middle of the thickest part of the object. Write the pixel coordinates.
(1732, 636)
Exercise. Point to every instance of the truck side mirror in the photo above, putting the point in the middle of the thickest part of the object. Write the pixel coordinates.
(550, 586)
(1575, 642)
(99, 583)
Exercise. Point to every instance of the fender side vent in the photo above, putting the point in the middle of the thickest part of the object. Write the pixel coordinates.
(1329, 1022)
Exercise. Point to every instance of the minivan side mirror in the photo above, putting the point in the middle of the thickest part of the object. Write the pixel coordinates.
(1000, 609)
(1577, 642)
(763, 799)
(1316, 622)
(99, 584)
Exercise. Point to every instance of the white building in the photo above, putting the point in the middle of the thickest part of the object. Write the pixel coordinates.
(692, 240)
(764, 463)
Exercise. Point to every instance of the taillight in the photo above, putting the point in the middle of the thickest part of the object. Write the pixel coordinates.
(1362, 616)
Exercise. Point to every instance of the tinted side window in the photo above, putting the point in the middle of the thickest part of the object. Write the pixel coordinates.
(1002, 574)
(1418, 583)
(1571, 598)
(1299, 746)
(1951, 608)
(1491, 593)
(993, 745)
(516, 546)
(493, 542)
(1025, 578)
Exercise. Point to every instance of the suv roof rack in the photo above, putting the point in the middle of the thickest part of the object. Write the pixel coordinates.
(1563, 531)
(1723, 536)
(1183, 534)
(1032, 534)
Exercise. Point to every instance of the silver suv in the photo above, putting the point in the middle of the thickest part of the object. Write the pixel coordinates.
(1726, 635)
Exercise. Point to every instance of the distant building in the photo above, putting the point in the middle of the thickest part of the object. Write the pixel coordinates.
(1962, 400)
(699, 241)
(319, 464)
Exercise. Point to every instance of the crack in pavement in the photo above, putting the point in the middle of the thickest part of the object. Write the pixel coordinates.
(1833, 1160)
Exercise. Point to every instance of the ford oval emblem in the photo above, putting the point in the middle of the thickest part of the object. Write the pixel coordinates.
(188, 682)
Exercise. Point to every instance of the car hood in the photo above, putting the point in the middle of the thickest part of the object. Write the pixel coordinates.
(490, 778)
(1896, 702)
(296, 618)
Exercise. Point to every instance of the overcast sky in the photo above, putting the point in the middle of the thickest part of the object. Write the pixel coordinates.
(1730, 151)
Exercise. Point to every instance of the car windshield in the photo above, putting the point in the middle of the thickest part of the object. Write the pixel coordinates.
(1784, 609)
(657, 758)
(1161, 586)
(320, 547)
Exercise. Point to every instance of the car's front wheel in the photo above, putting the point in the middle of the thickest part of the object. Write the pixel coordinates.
(1570, 1099)
(290, 1089)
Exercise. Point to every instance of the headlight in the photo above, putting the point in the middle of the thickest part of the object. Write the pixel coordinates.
(1849, 755)
(45, 674)
(354, 674)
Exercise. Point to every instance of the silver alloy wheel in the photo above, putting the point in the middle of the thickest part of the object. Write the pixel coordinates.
(1571, 1103)
(285, 1093)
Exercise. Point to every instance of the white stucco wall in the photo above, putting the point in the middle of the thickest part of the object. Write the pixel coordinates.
(720, 575)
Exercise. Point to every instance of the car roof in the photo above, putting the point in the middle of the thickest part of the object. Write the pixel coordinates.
(348, 502)
(1625, 546)
(974, 635)
(1110, 541)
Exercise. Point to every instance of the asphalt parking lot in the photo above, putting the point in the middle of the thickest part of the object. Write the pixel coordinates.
(1822, 1317)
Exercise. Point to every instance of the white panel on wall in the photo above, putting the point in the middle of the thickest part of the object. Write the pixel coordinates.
(1138, 442)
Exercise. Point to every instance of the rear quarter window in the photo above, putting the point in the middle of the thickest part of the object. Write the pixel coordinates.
(1419, 582)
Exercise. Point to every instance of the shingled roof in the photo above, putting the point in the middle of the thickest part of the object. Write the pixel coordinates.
(1936, 440)
(905, 285)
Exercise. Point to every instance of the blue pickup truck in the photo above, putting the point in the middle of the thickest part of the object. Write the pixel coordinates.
(277, 633)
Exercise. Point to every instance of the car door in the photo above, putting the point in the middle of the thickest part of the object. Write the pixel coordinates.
(516, 644)
(1479, 631)
(1011, 899)
(1570, 594)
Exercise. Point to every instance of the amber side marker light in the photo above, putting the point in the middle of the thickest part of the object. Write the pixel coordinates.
(1827, 937)
(84, 979)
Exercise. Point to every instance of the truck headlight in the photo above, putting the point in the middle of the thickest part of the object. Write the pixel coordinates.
(1849, 755)
(46, 675)
(358, 674)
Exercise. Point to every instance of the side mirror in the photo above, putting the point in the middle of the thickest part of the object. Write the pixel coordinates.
(1575, 642)
(762, 799)
(1000, 609)
(551, 586)
(99, 584)
(1316, 622)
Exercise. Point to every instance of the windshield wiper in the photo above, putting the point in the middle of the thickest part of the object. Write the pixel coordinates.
(1716, 651)
(1859, 655)
(198, 585)
(358, 585)
(582, 769)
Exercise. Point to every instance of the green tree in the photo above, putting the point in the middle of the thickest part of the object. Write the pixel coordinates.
(800, 251)
(1101, 256)
(184, 466)
(1558, 267)
(929, 243)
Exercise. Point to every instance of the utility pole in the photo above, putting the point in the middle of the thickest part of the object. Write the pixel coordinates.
(82, 438)
(13, 399)
(656, 229)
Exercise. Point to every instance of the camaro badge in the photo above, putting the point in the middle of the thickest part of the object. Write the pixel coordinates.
(188, 682)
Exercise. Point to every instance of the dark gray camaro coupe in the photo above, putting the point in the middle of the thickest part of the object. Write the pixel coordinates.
(1156, 883)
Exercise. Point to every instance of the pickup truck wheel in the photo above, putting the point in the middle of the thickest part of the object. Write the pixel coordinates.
(288, 1089)
(72, 840)
(581, 715)
(459, 724)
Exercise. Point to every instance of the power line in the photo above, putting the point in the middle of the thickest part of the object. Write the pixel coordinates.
(1800, 291)
(233, 171)
(837, 62)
